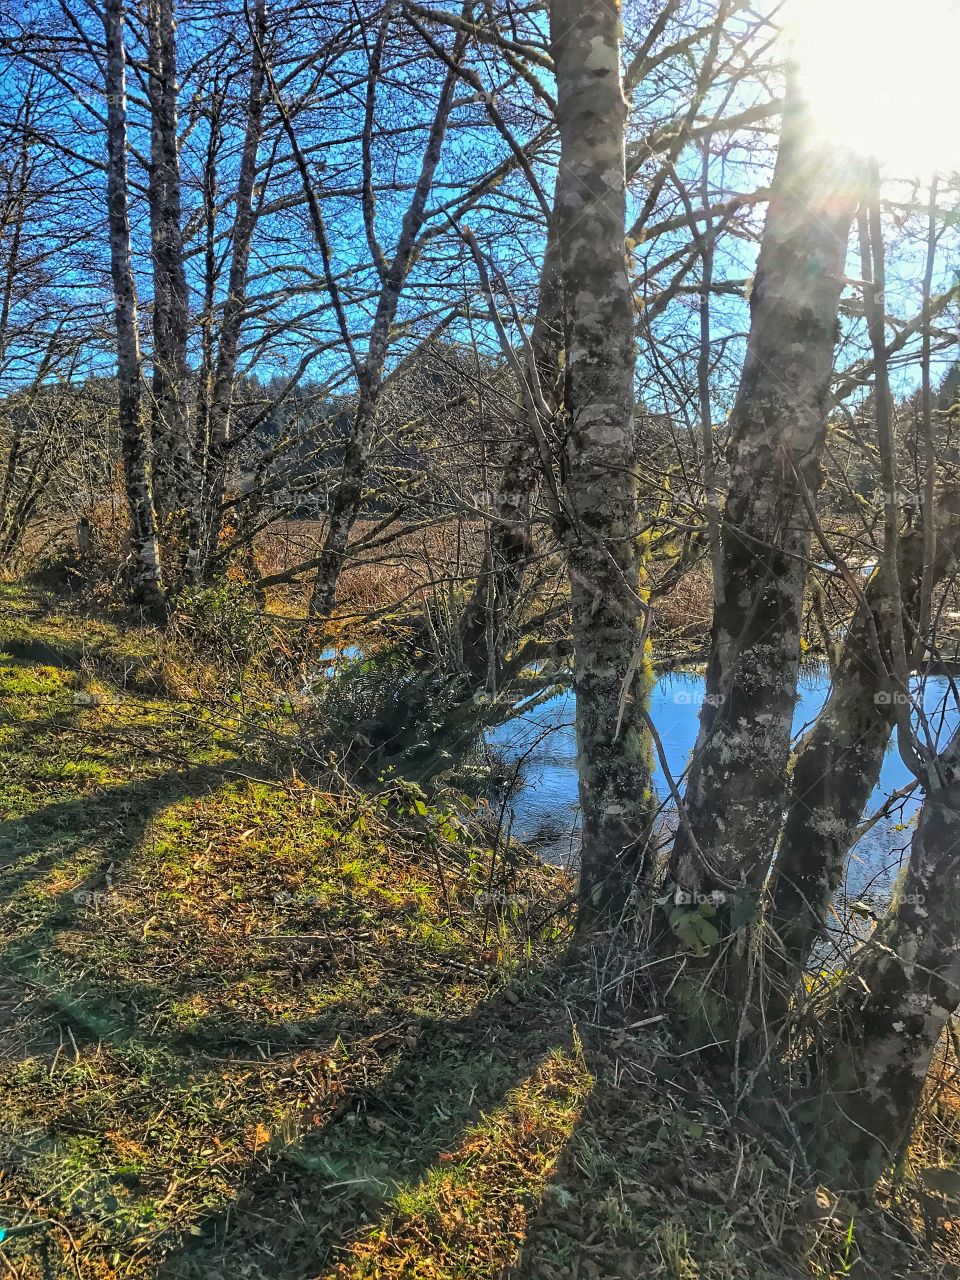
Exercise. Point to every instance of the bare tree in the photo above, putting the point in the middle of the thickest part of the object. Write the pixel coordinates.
(348, 493)
(42, 331)
(882, 1026)
(837, 765)
(737, 779)
(611, 672)
(487, 615)
(174, 483)
(217, 410)
(143, 529)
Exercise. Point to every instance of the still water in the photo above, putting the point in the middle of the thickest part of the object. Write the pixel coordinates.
(544, 805)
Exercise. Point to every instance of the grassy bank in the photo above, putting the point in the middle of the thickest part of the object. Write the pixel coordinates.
(253, 1027)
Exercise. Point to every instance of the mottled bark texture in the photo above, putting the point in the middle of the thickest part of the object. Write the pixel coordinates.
(175, 484)
(347, 497)
(146, 583)
(891, 1009)
(484, 626)
(217, 442)
(611, 672)
(837, 765)
(737, 779)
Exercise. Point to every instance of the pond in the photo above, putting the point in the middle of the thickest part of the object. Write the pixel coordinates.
(544, 805)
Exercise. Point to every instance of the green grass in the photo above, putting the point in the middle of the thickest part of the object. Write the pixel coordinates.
(206, 976)
(254, 1028)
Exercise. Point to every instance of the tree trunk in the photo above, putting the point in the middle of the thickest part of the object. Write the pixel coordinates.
(147, 585)
(175, 484)
(211, 272)
(737, 779)
(483, 626)
(890, 1011)
(348, 494)
(234, 308)
(486, 617)
(838, 763)
(611, 670)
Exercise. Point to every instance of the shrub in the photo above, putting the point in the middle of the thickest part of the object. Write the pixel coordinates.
(218, 622)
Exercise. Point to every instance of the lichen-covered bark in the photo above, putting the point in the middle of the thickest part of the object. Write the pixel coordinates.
(485, 621)
(890, 1011)
(737, 779)
(143, 533)
(611, 674)
(838, 763)
(175, 483)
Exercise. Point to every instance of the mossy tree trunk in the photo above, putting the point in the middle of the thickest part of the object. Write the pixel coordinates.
(737, 780)
(176, 486)
(147, 583)
(611, 673)
(838, 763)
(891, 1009)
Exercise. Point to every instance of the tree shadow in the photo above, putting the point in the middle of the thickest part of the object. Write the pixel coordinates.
(662, 1176)
(131, 671)
(334, 1181)
(113, 821)
(41, 652)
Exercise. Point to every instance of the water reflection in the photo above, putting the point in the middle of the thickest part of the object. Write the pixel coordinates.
(545, 809)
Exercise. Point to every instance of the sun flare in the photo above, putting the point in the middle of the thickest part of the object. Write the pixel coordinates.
(880, 77)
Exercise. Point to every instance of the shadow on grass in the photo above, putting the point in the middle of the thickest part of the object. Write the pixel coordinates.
(41, 652)
(109, 825)
(118, 815)
(330, 1183)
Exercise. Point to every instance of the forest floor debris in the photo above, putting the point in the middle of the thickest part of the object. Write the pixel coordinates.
(252, 1028)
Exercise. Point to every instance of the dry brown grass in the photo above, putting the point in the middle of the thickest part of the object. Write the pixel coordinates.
(407, 566)
(438, 561)
(686, 612)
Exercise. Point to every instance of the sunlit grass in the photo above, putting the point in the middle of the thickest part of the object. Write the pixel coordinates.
(249, 1028)
(202, 974)
(468, 1217)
